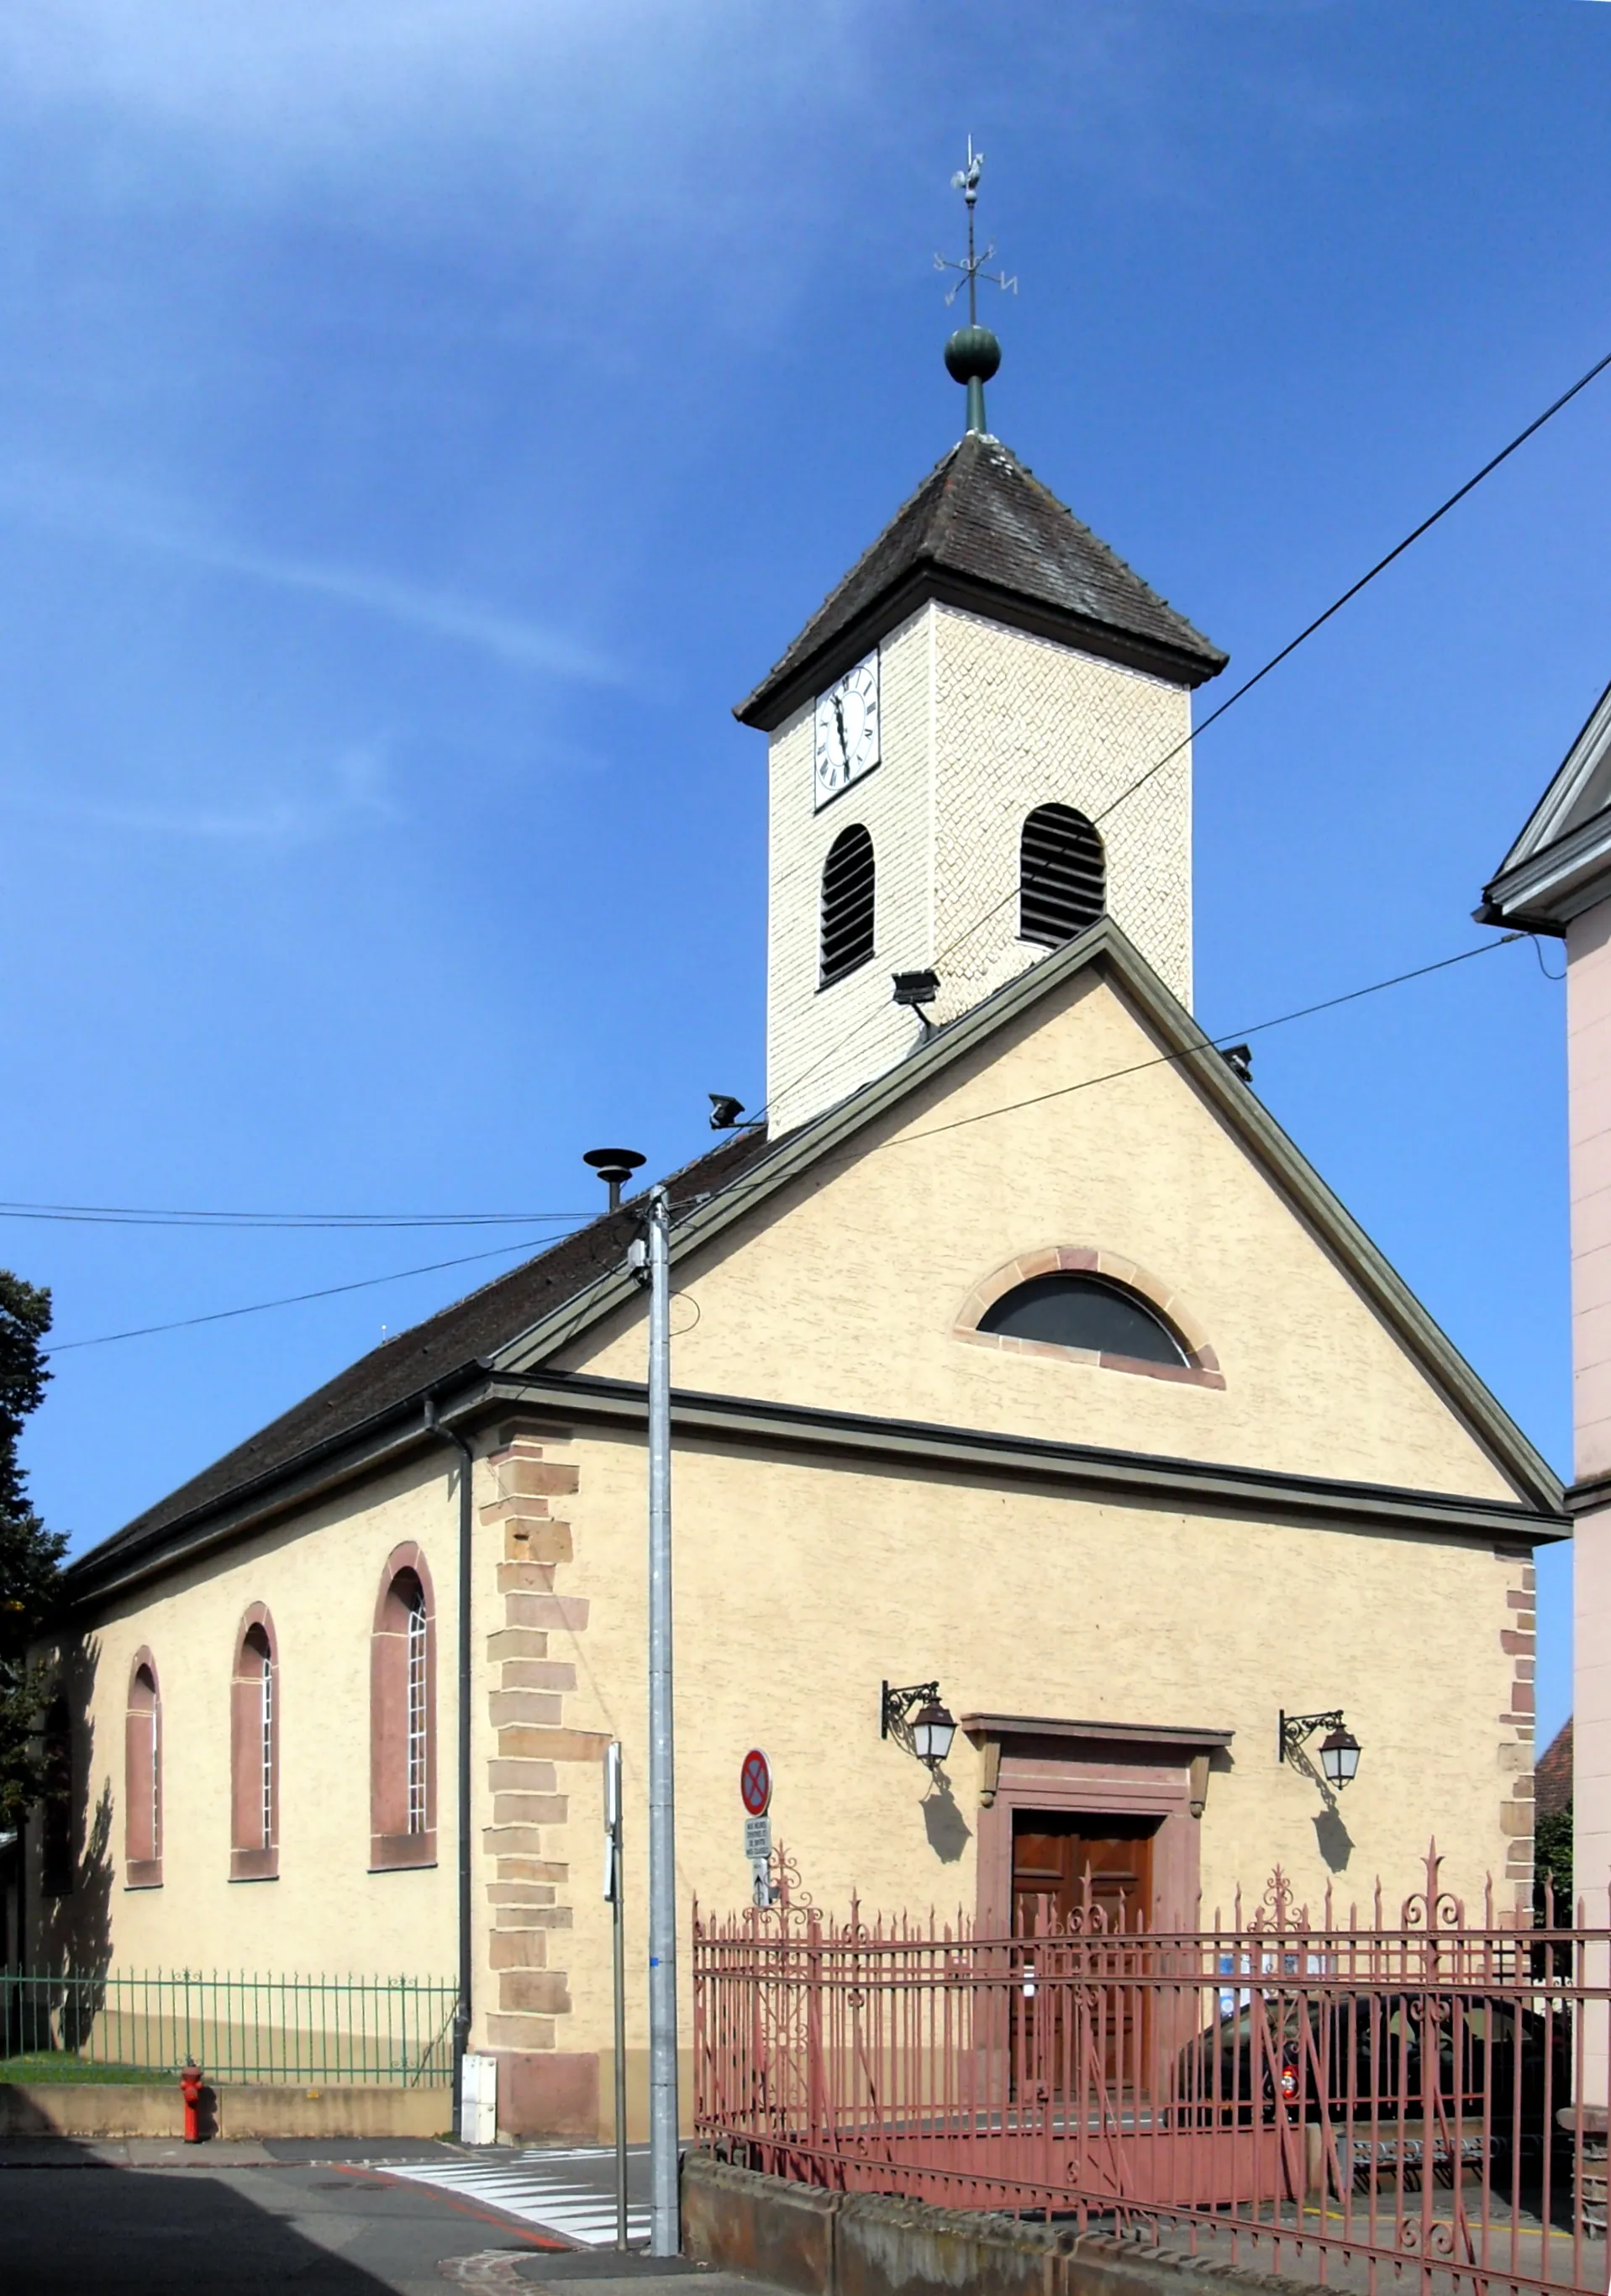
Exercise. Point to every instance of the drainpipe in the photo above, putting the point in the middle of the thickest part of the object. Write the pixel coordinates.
(461, 2031)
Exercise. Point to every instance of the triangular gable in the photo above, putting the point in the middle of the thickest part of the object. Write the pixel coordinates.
(1105, 948)
(1555, 862)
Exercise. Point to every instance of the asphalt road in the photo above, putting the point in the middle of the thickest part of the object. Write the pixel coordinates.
(320, 2220)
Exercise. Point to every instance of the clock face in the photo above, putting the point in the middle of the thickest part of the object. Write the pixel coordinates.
(847, 730)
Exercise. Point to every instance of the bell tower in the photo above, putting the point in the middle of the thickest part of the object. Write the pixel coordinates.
(954, 738)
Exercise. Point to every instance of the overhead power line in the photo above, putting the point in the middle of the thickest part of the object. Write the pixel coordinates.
(743, 1187)
(143, 1216)
(1216, 1043)
(292, 1298)
(1380, 567)
(148, 1216)
(1283, 653)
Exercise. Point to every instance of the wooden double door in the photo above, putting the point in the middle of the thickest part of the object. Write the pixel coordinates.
(1064, 1861)
(1053, 1850)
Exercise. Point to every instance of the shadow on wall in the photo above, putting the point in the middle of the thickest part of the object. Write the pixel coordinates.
(948, 1830)
(73, 1929)
(1336, 1842)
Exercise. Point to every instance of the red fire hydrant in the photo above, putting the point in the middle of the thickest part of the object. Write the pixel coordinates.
(190, 2089)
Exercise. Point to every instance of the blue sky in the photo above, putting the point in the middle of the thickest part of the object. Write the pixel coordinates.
(420, 421)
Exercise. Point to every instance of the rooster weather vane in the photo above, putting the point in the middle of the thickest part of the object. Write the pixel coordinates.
(973, 354)
(966, 180)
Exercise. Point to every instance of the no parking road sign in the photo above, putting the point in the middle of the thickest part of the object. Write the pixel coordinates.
(755, 1784)
(754, 1792)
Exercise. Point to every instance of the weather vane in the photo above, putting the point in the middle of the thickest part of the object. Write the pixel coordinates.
(973, 354)
(966, 180)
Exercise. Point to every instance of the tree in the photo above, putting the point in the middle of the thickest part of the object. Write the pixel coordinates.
(1552, 1857)
(30, 1556)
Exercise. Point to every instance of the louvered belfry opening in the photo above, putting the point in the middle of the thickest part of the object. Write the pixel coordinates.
(1062, 875)
(848, 886)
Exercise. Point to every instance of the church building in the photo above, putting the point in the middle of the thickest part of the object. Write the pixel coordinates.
(1022, 1363)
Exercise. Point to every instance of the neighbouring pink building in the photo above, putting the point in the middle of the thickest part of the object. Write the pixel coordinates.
(1556, 879)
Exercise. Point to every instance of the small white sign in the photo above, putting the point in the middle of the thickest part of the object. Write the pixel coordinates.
(761, 1890)
(612, 1817)
(757, 1839)
(478, 2100)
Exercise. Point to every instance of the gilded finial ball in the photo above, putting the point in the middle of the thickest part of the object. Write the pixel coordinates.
(972, 354)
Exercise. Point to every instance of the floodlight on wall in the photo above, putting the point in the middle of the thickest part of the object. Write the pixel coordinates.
(915, 1719)
(916, 989)
(1339, 1747)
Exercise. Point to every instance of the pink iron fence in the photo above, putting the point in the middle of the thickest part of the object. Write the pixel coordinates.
(1332, 2096)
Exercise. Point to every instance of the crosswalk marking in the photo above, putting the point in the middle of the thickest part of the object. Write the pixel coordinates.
(539, 2188)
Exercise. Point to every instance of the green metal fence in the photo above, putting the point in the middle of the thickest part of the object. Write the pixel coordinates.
(391, 2032)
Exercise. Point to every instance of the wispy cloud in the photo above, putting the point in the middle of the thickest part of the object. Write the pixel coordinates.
(69, 502)
(463, 622)
(352, 790)
(587, 137)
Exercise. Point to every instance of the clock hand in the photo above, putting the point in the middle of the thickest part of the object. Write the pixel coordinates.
(838, 712)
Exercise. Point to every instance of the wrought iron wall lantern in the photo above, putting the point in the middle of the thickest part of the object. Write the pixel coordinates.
(915, 1719)
(1339, 1747)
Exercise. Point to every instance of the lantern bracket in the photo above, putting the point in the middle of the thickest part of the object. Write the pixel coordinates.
(1295, 1727)
(897, 1707)
(1339, 1750)
(919, 1723)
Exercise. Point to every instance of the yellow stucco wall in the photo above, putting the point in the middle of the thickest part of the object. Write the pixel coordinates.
(846, 1294)
(800, 1585)
(801, 1581)
(320, 1576)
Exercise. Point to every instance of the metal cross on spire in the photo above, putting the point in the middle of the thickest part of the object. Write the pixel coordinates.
(973, 354)
(966, 180)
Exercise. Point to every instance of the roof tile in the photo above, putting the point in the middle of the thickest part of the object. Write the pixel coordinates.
(982, 519)
(455, 1340)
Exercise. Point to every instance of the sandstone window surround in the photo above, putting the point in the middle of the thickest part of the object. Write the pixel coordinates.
(403, 1716)
(254, 1703)
(142, 1776)
(1199, 1366)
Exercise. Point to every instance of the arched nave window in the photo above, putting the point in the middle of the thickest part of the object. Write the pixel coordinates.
(142, 1776)
(255, 1751)
(402, 1717)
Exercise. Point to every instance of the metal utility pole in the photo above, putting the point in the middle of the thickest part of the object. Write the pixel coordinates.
(615, 1889)
(665, 2233)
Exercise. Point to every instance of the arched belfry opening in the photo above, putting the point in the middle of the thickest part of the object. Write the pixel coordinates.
(847, 905)
(1062, 875)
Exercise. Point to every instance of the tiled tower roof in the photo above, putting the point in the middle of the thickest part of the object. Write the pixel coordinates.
(983, 532)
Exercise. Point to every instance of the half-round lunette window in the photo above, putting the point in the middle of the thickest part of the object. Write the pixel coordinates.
(1088, 1312)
